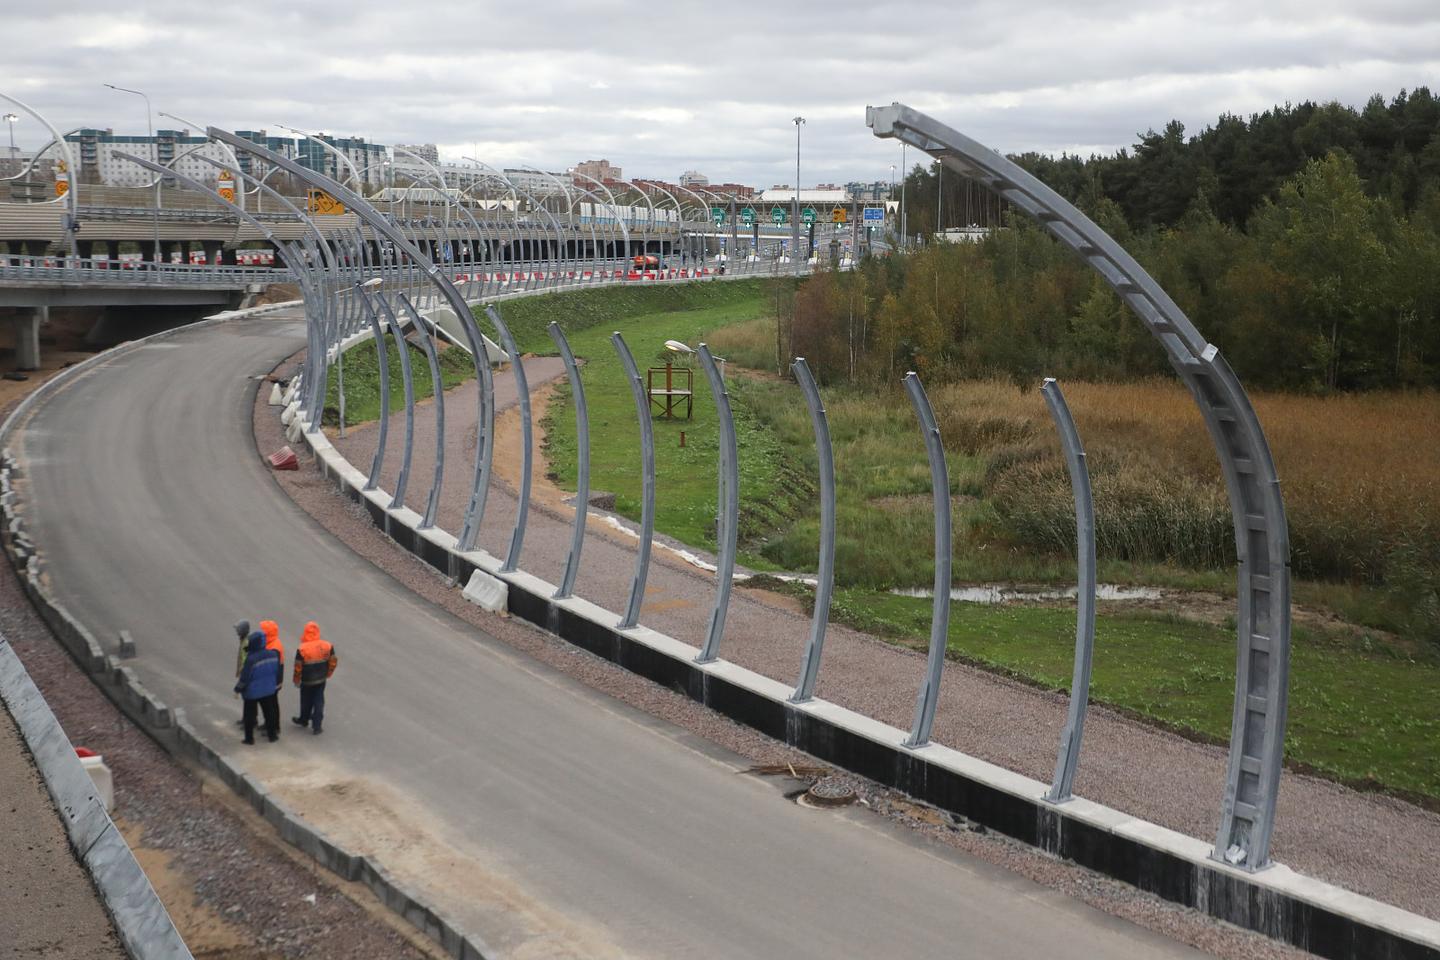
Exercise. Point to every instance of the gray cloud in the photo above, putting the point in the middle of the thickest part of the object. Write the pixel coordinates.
(659, 89)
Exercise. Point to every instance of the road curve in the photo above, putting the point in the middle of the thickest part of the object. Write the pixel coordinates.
(588, 828)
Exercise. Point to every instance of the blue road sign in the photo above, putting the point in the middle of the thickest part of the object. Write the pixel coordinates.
(874, 213)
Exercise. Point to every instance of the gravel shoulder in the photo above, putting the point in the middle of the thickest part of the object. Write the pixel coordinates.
(607, 565)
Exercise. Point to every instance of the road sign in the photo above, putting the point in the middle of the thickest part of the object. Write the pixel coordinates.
(320, 202)
(874, 214)
(226, 186)
(839, 215)
(718, 215)
(808, 214)
(747, 215)
(778, 215)
(62, 179)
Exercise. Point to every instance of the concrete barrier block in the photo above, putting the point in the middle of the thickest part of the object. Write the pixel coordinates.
(127, 645)
(277, 398)
(487, 592)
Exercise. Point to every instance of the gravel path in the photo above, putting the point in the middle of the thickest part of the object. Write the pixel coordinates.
(1323, 829)
(48, 905)
(234, 890)
(352, 526)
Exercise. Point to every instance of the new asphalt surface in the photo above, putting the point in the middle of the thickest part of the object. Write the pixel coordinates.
(582, 826)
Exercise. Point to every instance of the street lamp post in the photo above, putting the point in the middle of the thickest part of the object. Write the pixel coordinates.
(10, 118)
(150, 131)
(904, 220)
(939, 192)
(795, 223)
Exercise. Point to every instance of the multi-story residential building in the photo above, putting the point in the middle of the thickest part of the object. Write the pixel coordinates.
(601, 170)
(694, 178)
(99, 161)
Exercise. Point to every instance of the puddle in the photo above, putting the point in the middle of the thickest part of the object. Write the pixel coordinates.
(993, 593)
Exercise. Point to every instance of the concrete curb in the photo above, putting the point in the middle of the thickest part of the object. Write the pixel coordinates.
(1319, 917)
(140, 919)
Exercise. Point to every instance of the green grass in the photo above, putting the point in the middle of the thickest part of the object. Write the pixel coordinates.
(580, 310)
(362, 380)
(685, 495)
(1360, 711)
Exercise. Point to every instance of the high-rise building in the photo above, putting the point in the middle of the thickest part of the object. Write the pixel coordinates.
(601, 170)
(694, 178)
(99, 161)
(425, 151)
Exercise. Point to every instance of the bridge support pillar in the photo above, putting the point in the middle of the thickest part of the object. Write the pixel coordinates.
(148, 253)
(86, 248)
(112, 250)
(167, 248)
(27, 338)
(36, 248)
(184, 251)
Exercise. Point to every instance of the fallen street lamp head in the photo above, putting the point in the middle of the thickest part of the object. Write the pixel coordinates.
(675, 346)
(373, 282)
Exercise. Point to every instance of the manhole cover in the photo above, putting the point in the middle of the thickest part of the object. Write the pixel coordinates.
(829, 792)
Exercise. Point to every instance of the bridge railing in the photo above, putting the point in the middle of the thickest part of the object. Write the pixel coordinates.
(51, 270)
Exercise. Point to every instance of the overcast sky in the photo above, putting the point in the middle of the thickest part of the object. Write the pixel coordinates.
(663, 87)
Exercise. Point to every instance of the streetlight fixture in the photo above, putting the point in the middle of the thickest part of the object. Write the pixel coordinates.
(150, 131)
(795, 227)
(10, 118)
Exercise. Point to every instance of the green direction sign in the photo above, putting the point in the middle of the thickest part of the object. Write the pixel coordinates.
(808, 215)
(718, 215)
(747, 215)
(778, 215)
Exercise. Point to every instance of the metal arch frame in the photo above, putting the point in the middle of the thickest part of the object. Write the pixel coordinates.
(407, 376)
(582, 463)
(71, 198)
(329, 148)
(36, 159)
(437, 392)
(518, 246)
(929, 696)
(1257, 732)
(485, 428)
(614, 210)
(316, 356)
(225, 146)
(569, 208)
(647, 483)
(514, 230)
(679, 211)
(380, 225)
(704, 214)
(825, 571)
(648, 202)
(527, 434)
(377, 334)
(729, 512)
(1067, 759)
(314, 330)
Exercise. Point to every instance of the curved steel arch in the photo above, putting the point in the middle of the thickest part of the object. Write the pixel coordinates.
(1262, 542)
(72, 195)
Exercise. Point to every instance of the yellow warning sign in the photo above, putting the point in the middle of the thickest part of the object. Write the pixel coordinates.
(839, 215)
(322, 203)
(226, 186)
(62, 184)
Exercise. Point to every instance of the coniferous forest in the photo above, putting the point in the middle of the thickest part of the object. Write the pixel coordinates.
(1304, 241)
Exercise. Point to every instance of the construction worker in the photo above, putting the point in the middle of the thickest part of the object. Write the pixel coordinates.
(260, 679)
(271, 629)
(315, 663)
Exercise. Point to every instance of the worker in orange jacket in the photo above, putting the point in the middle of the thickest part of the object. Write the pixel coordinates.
(315, 663)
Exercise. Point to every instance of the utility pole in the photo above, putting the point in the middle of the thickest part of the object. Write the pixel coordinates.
(795, 222)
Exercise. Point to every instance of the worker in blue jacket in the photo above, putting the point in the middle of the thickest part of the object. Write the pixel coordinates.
(259, 682)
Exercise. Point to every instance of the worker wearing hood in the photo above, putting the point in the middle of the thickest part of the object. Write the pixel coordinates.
(271, 629)
(259, 680)
(315, 663)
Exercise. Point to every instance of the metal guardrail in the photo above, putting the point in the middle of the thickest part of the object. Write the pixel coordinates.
(54, 271)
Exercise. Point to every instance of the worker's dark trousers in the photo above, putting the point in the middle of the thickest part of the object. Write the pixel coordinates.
(312, 705)
(270, 706)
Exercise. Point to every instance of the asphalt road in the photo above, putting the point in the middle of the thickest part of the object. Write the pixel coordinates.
(574, 825)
